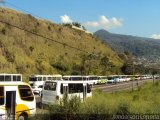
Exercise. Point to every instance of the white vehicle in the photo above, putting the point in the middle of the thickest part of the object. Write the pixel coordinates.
(102, 79)
(37, 81)
(113, 79)
(91, 78)
(53, 91)
(24, 100)
(4, 77)
(74, 77)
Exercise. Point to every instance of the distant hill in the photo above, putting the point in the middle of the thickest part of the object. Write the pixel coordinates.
(26, 53)
(138, 46)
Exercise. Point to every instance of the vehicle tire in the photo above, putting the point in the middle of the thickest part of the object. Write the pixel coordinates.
(22, 117)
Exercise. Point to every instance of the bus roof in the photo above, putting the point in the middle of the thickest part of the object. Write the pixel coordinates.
(11, 83)
(69, 81)
(55, 75)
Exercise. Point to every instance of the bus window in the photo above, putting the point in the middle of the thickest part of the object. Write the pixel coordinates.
(32, 79)
(7, 78)
(50, 86)
(75, 88)
(25, 93)
(39, 78)
(2, 78)
(16, 78)
(44, 78)
(1, 95)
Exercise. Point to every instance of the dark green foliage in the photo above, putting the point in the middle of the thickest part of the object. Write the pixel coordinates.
(60, 66)
(31, 48)
(3, 31)
(127, 68)
(123, 109)
(76, 24)
(67, 109)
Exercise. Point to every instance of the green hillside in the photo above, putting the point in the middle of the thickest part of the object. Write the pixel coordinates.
(26, 53)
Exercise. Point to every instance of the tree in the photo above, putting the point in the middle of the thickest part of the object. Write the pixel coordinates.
(105, 64)
(127, 68)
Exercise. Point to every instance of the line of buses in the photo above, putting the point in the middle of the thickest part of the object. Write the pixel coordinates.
(37, 81)
(51, 88)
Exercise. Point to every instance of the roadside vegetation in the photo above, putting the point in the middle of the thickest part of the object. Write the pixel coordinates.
(144, 100)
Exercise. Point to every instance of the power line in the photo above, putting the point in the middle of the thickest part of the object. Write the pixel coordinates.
(62, 43)
(11, 4)
(39, 34)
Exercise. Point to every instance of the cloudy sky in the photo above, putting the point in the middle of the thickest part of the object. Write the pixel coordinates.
(131, 17)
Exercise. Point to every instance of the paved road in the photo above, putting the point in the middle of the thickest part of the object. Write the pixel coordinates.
(120, 86)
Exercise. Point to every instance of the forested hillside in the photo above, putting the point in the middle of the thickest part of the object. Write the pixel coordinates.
(27, 53)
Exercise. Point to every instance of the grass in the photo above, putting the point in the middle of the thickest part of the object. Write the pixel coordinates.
(145, 100)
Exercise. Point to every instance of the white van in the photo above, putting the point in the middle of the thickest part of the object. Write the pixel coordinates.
(36, 81)
(25, 105)
(53, 91)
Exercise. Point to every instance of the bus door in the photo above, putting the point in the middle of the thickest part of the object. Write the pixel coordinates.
(49, 92)
(84, 91)
(10, 104)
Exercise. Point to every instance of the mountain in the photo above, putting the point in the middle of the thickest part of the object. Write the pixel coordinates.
(137, 46)
(34, 46)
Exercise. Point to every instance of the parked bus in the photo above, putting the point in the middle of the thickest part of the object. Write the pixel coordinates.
(74, 77)
(53, 91)
(36, 81)
(5, 77)
(24, 99)
(92, 78)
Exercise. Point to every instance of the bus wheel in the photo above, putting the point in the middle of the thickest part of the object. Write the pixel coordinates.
(22, 117)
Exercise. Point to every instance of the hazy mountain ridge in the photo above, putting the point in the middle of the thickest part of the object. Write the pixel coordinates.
(138, 46)
(26, 53)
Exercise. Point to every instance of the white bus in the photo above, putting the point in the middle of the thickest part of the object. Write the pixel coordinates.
(91, 78)
(74, 77)
(5, 77)
(53, 91)
(24, 99)
(36, 81)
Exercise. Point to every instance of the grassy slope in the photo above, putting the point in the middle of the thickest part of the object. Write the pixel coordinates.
(145, 100)
(22, 52)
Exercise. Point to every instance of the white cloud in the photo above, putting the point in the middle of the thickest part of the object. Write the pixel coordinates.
(155, 36)
(66, 19)
(105, 23)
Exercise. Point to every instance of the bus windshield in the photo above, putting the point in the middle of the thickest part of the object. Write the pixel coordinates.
(50, 86)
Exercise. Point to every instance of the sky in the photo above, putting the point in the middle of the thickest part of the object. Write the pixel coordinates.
(129, 17)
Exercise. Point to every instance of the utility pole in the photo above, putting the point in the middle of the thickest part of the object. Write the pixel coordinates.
(133, 77)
